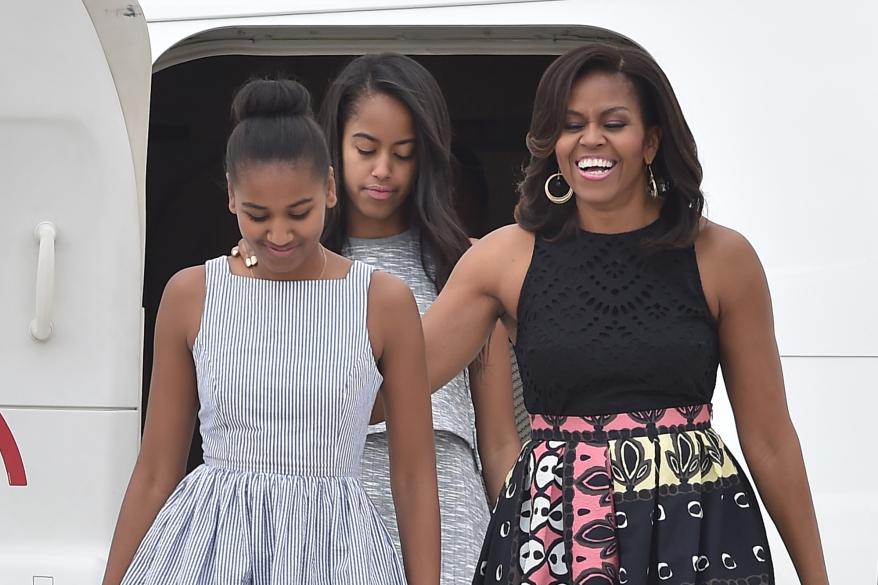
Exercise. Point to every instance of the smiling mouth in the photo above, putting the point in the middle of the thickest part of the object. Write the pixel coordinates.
(595, 168)
(279, 250)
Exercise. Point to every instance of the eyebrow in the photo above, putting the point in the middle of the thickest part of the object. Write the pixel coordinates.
(612, 110)
(373, 139)
(261, 208)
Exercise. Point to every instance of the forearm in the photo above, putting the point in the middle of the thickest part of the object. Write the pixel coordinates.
(416, 498)
(496, 464)
(141, 504)
(779, 473)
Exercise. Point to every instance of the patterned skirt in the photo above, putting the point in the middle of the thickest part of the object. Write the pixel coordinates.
(650, 497)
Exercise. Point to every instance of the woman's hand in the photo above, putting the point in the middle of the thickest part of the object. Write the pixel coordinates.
(243, 250)
(497, 437)
(737, 290)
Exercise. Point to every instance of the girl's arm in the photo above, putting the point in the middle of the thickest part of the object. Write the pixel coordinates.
(497, 436)
(170, 419)
(399, 347)
(752, 373)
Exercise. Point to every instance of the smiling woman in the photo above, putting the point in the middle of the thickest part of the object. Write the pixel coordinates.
(598, 131)
(605, 141)
(624, 301)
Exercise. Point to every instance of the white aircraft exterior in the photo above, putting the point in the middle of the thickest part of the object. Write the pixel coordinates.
(780, 96)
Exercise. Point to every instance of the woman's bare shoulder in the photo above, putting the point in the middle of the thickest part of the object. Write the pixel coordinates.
(718, 244)
(512, 234)
(731, 272)
(503, 244)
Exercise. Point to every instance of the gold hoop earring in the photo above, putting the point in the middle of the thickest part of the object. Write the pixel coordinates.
(558, 199)
(651, 187)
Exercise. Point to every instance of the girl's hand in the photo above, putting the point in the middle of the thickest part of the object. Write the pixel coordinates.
(243, 250)
(170, 418)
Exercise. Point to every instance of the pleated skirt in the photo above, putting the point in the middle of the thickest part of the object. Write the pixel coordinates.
(226, 526)
(650, 497)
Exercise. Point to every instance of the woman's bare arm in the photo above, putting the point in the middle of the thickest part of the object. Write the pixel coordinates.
(491, 388)
(399, 346)
(752, 373)
(170, 419)
(483, 287)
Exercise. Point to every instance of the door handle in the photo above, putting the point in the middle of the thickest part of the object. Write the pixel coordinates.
(41, 325)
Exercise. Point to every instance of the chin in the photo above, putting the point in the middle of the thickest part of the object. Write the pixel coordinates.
(596, 198)
(380, 211)
(279, 265)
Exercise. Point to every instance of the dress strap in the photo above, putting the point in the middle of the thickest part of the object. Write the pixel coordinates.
(216, 269)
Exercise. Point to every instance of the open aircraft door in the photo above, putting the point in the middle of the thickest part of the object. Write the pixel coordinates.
(75, 82)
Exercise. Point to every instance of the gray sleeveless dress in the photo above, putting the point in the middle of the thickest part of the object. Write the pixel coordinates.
(462, 500)
(286, 382)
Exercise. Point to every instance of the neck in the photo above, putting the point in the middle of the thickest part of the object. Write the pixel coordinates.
(611, 219)
(312, 268)
(360, 226)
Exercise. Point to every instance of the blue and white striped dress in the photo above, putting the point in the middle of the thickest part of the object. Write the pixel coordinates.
(286, 380)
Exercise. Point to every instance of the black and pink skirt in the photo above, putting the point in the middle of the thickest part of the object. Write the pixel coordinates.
(650, 497)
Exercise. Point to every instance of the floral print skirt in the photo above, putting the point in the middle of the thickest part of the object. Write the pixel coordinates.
(649, 497)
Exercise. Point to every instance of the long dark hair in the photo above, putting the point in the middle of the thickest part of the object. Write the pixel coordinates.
(274, 123)
(430, 202)
(676, 165)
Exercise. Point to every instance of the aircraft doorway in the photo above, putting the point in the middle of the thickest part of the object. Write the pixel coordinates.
(489, 98)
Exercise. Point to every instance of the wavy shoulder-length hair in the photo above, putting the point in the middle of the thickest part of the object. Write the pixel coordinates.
(430, 203)
(676, 167)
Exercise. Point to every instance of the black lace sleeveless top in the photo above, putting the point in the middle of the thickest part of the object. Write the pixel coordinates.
(606, 326)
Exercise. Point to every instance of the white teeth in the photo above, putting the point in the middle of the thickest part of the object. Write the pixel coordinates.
(595, 162)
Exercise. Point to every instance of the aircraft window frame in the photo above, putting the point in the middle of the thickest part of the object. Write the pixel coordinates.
(347, 40)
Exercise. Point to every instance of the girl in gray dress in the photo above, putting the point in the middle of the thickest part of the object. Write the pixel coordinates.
(389, 137)
(389, 134)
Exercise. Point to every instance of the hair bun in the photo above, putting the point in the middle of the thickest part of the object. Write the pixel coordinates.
(270, 98)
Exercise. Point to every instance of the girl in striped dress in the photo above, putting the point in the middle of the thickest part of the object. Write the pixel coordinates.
(283, 360)
(389, 135)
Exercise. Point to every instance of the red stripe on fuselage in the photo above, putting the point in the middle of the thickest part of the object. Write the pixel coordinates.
(11, 455)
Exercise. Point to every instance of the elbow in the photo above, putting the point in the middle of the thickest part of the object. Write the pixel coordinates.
(766, 444)
(412, 476)
(499, 453)
(154, 482)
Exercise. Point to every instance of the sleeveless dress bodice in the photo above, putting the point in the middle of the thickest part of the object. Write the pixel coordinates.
(607, 325)
(286, 375)
(403, 256)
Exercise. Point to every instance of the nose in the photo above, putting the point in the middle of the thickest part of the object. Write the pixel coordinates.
(280, 233)
(382, 168)
(592, 135)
